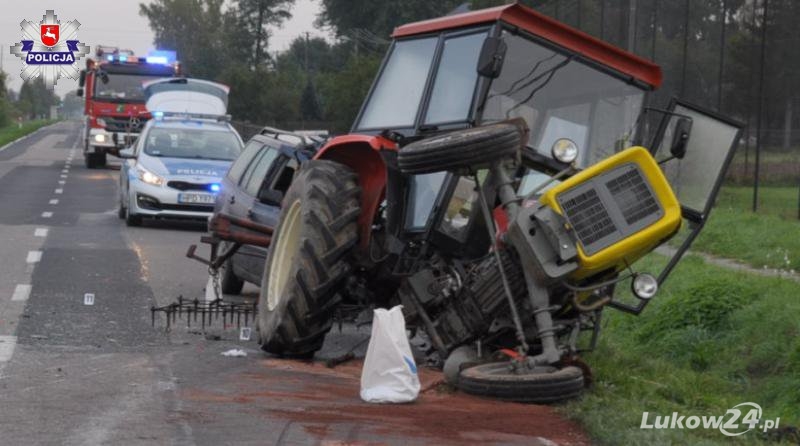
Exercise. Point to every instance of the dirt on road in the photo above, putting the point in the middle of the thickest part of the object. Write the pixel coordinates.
(325, 402)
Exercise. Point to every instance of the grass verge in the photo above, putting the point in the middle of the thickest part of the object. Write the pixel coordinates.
(712, 339)
(12, 132)
(759, 240)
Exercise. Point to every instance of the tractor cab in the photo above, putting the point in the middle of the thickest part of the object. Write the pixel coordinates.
(582, 101)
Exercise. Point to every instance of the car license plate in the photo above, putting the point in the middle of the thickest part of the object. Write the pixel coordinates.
(196, 198)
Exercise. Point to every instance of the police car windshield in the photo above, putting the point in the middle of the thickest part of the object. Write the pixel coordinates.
(192, 143)
(122, 87)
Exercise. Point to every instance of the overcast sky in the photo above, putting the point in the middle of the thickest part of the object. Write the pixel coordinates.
(117, 23)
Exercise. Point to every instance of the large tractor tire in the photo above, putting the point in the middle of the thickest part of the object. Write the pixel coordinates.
(308, 258)
(541, 385)
(474, 148)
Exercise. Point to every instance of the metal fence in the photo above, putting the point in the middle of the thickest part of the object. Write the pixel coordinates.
(739, 57)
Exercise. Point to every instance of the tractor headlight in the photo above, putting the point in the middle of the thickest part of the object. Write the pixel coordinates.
(100, 138)
(149, 177)
(564, 150)
(644, 286)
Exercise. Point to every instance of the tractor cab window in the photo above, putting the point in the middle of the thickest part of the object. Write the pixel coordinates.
(452, 94)
(427, 81)
(560, 96)
(423, 191)
(396, 96)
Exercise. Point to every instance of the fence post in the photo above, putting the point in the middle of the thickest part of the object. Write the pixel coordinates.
(764, 17)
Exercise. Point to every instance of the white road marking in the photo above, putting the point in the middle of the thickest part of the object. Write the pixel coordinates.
(40, 232)
(54, 201)
(59, 191)
(62, 182)
(63, 175)
(21, 292)
(7, 344)
(34, 256)
(47, 214)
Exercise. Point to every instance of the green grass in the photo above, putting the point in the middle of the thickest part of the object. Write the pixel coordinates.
(760, 239)
(711, 339)
(13, 131)
(779, 201)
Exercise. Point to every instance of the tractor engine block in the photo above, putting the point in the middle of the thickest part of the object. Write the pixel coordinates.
(465, 314)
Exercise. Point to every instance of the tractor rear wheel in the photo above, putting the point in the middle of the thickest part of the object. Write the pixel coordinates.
(474, 148)
(540, 385)
(307, 259)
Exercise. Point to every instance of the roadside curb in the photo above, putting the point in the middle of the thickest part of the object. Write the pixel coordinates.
(24, 137)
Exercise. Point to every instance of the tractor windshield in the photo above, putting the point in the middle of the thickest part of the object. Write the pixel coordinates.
(560, 96)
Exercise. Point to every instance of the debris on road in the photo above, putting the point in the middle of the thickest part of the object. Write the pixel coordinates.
(235, 353)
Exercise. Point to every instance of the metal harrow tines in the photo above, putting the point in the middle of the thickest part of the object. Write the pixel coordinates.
(208, 312)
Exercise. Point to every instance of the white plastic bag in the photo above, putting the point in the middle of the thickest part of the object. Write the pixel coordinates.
(389, 374)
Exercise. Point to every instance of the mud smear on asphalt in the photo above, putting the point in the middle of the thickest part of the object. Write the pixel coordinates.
(316, 397)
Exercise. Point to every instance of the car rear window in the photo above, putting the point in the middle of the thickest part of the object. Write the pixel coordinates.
(240, 165)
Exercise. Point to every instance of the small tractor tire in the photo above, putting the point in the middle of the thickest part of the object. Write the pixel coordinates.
(541, 386)
(472, 148)
(308, 258)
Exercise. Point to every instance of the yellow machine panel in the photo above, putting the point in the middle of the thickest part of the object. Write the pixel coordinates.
(619, 209)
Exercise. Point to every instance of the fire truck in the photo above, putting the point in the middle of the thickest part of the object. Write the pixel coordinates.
(115, 110)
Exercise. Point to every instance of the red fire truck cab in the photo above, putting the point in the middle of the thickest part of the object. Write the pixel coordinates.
(114, 111)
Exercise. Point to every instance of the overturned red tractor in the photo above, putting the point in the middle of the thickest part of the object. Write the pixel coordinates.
(500, 182)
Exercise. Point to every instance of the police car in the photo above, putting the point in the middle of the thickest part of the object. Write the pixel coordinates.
(175, 168)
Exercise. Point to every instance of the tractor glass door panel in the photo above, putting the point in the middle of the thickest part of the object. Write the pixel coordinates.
(459, 211)
(454, 86)
(562, 97)
(695, 179)
(423, 190)
(395, 99)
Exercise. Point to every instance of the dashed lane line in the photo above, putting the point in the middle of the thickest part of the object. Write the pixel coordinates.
(34, 256)
(21, 293)
(7, 344)
(40, 232)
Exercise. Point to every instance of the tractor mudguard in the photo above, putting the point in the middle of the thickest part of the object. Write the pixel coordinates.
(360, 153)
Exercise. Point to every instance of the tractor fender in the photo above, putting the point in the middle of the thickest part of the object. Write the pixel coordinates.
(361, 153)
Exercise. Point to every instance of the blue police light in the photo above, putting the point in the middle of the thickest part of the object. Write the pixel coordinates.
(162, 57)
(110, 57)
(214, 187)
(158, 114)
(123, 58)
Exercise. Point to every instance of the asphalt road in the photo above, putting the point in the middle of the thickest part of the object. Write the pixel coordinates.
(79, 374)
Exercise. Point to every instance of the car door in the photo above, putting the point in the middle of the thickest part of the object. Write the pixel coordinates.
(251, 258)
(266, 211)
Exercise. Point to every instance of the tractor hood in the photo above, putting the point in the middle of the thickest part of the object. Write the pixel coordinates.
(183, 95)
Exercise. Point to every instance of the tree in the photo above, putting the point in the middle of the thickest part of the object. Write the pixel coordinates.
(378, 18)
(255, 16)
(35, 99)
(5, 106)
(196, 29)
